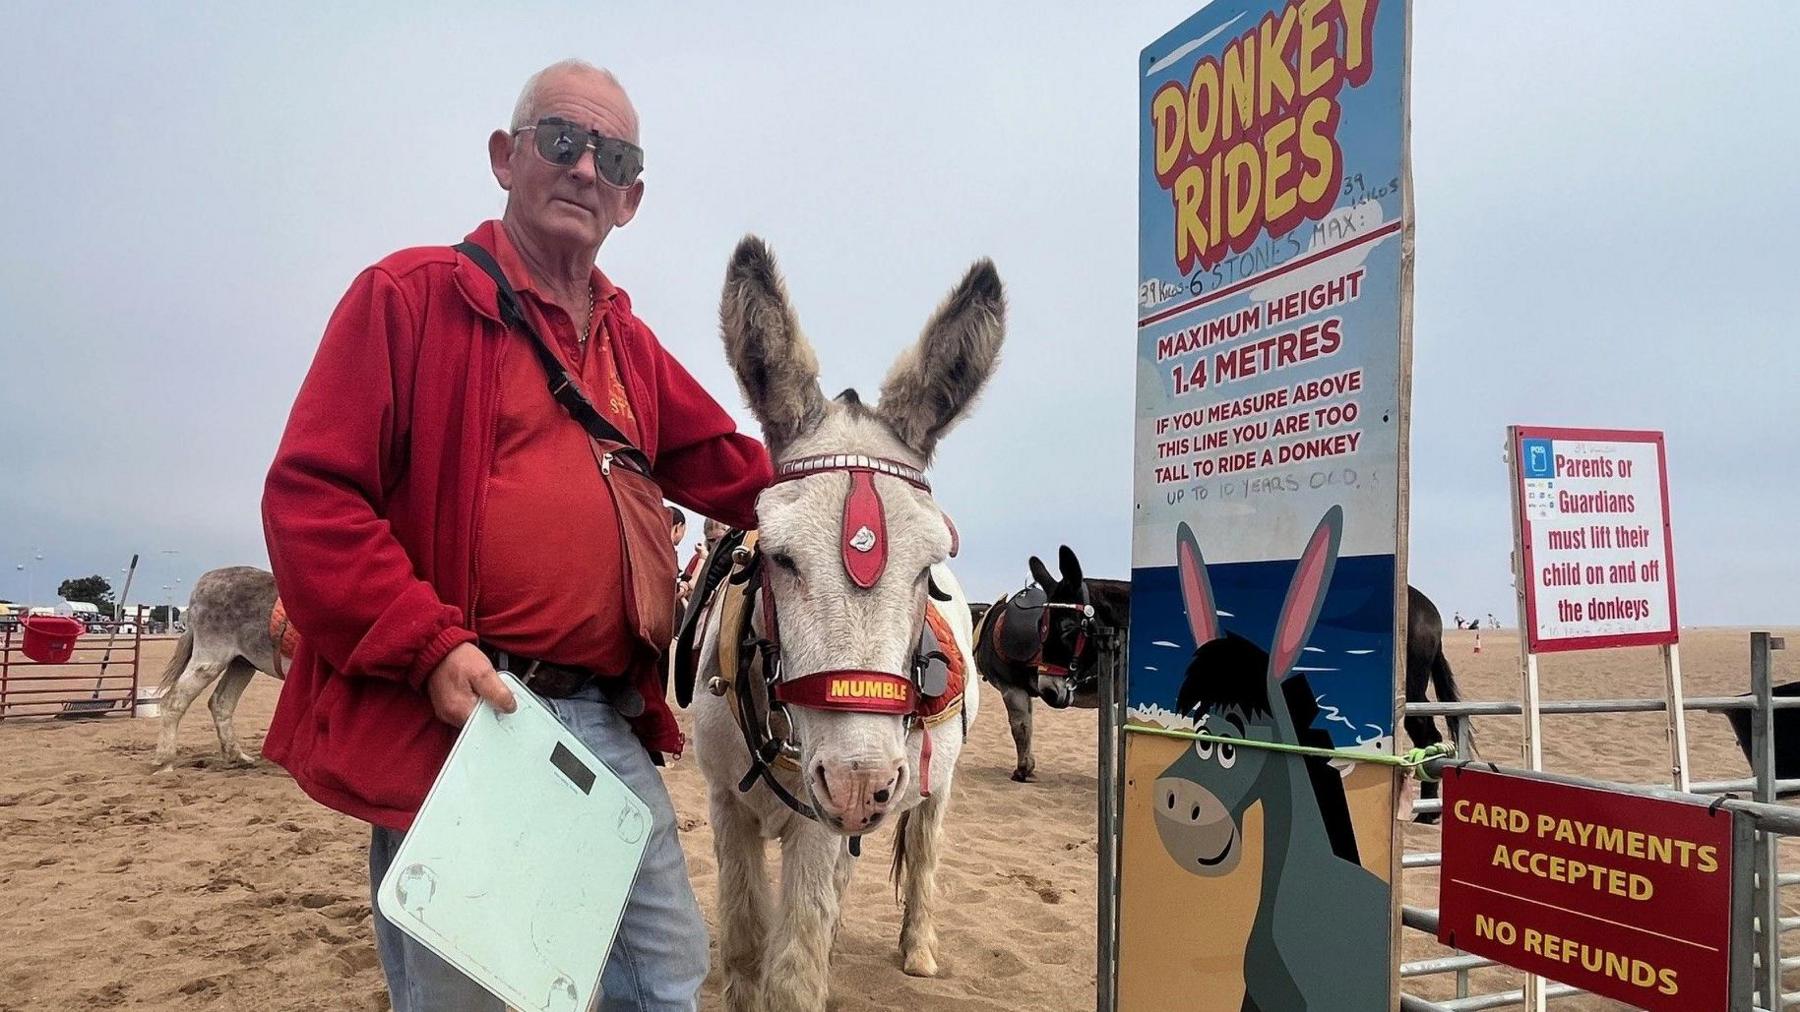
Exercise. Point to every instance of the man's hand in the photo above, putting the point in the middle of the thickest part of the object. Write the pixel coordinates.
(464, 676)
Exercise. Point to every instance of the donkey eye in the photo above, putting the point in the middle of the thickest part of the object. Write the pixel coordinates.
(785, 561)
(1227, 756)
(1203, 749)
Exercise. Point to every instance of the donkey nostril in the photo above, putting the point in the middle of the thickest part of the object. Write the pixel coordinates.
(881, 796)
(1196, 815)
(1171, 800)
(819, 778)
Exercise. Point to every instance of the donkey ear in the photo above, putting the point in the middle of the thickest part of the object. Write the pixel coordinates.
(775, 365)
(1306, 594)
(1196, 589)
(1041, 574)
(933, 383)
(1071, 566)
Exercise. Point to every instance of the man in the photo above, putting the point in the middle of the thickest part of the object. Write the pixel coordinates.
(431, 506)
(712, 531)
(677, 532)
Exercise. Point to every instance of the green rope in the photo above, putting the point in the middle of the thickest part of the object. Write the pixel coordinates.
(1413, 760)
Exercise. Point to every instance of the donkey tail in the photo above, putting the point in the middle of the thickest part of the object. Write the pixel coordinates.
(1443, 684)
(899, 868)
(184, 652)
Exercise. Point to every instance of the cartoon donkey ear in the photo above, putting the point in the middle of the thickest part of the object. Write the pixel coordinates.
(1071, 566)
(1306, 594)
(1040, 574)
(1196, 589)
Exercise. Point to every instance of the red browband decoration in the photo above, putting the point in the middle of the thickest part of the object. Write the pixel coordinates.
(864, 543)
(864, 538)
(850, 691)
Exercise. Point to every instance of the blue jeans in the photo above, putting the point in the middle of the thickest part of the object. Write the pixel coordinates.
(659, 958)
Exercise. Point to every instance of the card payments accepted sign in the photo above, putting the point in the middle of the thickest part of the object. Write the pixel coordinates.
(1619, 894)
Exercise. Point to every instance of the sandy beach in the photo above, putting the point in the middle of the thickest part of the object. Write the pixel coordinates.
(213, 887)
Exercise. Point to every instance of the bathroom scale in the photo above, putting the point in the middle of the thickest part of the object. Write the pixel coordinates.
(518, 867)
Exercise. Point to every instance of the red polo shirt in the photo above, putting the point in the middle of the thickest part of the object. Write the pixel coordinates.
(548, 547)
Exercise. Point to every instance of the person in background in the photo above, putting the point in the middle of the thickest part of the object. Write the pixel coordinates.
(711, 532)
(677, 527)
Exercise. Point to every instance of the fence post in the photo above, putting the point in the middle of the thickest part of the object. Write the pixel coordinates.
(1109, 783)
(1768, 871)
(1741, 971)
(137, 661)
(1462, 731)
(5, 667)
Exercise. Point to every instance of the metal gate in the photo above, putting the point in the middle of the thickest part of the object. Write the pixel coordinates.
(100, 678)
(1764, 964)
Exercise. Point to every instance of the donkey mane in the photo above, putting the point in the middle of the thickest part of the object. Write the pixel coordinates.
(1229, 671)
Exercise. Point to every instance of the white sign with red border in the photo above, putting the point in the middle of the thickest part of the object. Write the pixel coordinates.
(1596, 556)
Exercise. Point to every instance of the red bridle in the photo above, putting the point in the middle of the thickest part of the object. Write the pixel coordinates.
(1086, 613)
(863, 547)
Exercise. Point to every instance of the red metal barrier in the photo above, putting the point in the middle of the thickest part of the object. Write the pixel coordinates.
(101, 678)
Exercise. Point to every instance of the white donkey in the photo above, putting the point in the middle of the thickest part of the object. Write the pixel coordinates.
(851, 545)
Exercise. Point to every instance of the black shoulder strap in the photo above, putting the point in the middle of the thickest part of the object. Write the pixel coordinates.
(563, 388)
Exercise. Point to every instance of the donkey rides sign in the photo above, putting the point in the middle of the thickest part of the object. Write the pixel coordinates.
(1258, 834)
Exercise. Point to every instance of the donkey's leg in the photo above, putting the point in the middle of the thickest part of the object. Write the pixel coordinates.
(224, 703)
(798, 975)
(918, 932)
(199, 674)
(1018, 715)
(846, 866)
(743, 899)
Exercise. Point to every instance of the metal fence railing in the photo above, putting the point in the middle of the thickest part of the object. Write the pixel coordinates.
(1759, 909)
(101, 677)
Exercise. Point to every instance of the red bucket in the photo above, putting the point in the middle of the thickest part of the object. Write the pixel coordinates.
(50, 639)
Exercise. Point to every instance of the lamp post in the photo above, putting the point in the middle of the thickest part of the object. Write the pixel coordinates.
(169, 614)
(37, 556)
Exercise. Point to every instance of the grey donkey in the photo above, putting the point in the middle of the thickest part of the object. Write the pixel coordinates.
(228, 639)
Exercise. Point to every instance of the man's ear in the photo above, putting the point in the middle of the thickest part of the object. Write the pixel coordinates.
(500, 149)
(629, 206)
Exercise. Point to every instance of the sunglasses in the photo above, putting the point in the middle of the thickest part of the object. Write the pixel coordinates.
(618, 163)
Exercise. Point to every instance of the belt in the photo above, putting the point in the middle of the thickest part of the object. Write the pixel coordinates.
(555, 681)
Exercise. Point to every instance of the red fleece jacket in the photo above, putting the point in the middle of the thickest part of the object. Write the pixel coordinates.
(373, 504)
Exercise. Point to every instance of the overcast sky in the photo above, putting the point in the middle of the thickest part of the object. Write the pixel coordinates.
(1602, 190)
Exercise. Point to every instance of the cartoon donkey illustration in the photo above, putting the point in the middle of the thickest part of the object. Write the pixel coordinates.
(1319, 940)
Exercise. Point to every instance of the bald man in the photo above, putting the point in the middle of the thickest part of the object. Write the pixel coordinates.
(433, 511)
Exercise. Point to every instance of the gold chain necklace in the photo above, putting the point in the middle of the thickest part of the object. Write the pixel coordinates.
(587, 321)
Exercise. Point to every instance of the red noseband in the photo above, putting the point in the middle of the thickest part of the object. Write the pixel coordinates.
(850, 692)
